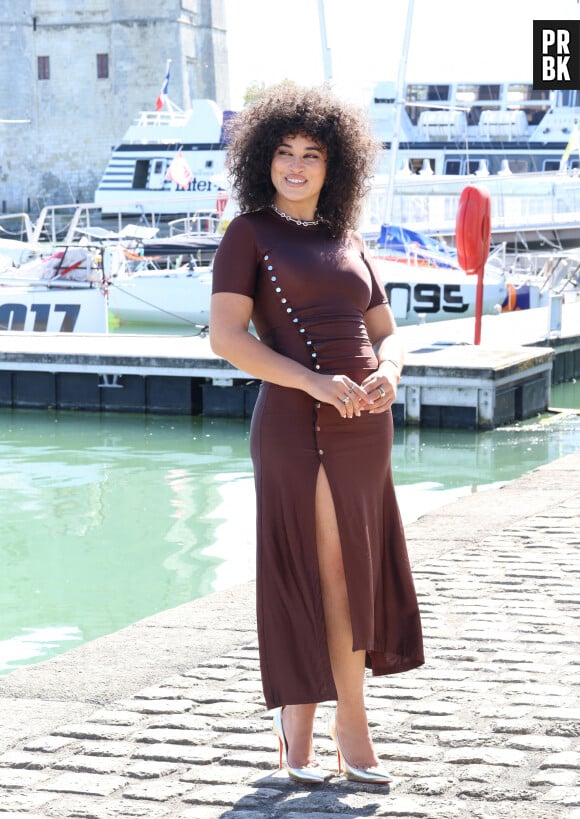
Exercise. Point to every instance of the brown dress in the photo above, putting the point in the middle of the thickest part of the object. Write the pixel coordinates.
(311, 292)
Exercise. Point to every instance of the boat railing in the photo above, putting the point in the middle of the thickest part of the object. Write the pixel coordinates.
(545, 201)
(550, 271)
(24, 230)
(61, 223)
(64, 223)
(195, 224)
(146, 119)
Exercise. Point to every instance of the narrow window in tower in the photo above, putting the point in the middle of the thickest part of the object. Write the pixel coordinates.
(102, 66)
(43, 68)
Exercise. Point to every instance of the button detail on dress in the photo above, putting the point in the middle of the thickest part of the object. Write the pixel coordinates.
(289, 309)
(321, 452)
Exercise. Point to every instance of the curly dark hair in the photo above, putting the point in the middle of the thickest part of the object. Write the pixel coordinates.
(289, 110)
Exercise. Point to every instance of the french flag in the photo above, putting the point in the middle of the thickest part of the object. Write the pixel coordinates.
(163, 93)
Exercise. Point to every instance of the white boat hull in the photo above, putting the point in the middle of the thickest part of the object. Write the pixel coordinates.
(170, 298)
(181, 298)
(422, 293)
(41, 309)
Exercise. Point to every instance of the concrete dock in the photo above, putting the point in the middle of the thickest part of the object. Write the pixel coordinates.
(165, 718)
(447, 381)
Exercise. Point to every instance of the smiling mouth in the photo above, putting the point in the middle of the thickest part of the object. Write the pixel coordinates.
(294, 181)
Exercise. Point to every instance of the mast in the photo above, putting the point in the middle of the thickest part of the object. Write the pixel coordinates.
(399, 105)
(326, 58)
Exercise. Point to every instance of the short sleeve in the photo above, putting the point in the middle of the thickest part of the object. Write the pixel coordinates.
(378, 292)
(235, 264)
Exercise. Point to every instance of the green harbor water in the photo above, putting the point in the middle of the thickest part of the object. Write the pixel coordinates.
(110, 518)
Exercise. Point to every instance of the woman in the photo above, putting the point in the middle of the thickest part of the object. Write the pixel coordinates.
(334, 587)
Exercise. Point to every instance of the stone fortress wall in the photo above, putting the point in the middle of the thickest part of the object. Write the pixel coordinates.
(73, 118)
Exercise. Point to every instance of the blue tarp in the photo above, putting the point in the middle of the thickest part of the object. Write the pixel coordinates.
(397, 239)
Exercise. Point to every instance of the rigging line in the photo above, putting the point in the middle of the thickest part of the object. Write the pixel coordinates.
(156, 307)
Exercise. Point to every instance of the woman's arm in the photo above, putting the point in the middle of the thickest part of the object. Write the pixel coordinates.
(230, 315)
(382, 331)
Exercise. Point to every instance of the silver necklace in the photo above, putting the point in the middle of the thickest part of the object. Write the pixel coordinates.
(303, 222)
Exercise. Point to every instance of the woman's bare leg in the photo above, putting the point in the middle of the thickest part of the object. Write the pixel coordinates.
(298, 724)
(348, 666)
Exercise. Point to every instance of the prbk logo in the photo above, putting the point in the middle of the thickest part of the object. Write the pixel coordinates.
(557, 54)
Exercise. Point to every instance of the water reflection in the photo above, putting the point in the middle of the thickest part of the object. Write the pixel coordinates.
(110, 518)
(107, 519)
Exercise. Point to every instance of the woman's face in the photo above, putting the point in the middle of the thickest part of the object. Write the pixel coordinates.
(298, 172)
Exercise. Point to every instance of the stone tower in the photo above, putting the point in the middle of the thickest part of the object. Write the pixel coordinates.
(74, 75)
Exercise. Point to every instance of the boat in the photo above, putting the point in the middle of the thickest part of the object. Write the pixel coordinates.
(538, 279)
(59, 291)
(422, 277)
(177, 298)
(167, 281)
(524, 145)
(169, 161)
(476, 128)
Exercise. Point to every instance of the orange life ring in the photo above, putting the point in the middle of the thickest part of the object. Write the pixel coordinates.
(510, 300)
(473, 228)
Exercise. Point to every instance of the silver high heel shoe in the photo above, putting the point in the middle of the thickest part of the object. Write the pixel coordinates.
(311, 775)
(372, 775)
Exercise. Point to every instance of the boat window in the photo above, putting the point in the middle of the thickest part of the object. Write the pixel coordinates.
(466, 93)
(524, 92)
(518, 92)
(489, 92)
(141, 173)
(474, 165)
(569, 99)
(554, 164)
(438, 93)
(452, 167)
(415, 164)
(519, 165)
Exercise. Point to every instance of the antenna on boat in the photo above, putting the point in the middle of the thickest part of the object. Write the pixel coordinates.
(399, 105)
(326, 58)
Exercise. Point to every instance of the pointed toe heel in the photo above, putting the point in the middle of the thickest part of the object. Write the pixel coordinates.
(310, 775)
(374, 775)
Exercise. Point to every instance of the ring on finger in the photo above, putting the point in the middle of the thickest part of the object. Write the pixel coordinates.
(346, 399)
(381, 390)
(351, 388)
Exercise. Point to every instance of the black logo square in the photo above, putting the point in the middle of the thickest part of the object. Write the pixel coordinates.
(556, 54)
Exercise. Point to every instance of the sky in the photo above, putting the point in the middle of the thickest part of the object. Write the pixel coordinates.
(477, 40)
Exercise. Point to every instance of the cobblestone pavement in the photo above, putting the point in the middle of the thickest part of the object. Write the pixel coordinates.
(489, 727)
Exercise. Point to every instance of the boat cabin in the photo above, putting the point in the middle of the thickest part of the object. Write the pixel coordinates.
(477, 128)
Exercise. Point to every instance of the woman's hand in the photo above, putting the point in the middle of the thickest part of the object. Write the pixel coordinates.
(348, 397)
(381, 386)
